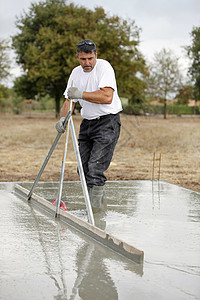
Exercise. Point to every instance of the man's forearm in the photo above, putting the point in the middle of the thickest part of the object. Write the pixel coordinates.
(103, 96)
(65, 108)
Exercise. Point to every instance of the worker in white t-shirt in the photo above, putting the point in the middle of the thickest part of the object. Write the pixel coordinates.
(93, 84)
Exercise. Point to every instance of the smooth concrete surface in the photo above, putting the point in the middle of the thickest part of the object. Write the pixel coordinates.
(42, 258)
(72, 220)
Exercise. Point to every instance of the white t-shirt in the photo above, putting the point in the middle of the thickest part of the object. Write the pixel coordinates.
(101, 76)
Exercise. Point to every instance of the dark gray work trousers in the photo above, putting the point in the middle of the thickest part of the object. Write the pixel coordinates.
(97, 140)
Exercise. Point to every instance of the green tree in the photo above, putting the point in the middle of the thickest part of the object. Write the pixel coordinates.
(164, 76)
(149, 91)
(185, 93)
(4, 95)
(4, 60)
(193, 52)
(4, 67)
(46, 45)
(24, 87)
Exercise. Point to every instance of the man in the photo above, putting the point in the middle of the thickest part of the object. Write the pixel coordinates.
(93, 84)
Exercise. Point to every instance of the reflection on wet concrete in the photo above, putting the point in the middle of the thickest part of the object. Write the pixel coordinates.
(42, 258)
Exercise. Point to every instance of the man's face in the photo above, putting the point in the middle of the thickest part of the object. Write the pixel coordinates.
(87, 60)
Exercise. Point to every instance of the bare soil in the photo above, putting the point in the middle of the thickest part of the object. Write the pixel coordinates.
(26, 139)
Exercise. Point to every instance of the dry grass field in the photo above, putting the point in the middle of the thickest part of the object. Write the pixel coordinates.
(26, 139)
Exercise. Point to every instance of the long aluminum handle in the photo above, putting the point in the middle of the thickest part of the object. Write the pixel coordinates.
(81, 173)
(48, 157)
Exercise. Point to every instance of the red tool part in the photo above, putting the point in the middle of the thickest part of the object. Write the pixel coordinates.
(62, 204)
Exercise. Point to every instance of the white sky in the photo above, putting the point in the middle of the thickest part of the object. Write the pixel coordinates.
(164, 23)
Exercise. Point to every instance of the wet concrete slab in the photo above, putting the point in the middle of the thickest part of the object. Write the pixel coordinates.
(42, 258)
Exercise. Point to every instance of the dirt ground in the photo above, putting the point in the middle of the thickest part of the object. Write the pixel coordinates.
(26, 139)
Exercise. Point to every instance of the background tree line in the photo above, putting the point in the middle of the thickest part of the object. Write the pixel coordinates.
(45, 46)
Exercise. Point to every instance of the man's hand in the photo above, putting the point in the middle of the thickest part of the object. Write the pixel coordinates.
(59, 125)
(74, 93)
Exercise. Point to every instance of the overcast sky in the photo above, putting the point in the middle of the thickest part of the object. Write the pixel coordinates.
(164, 23)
